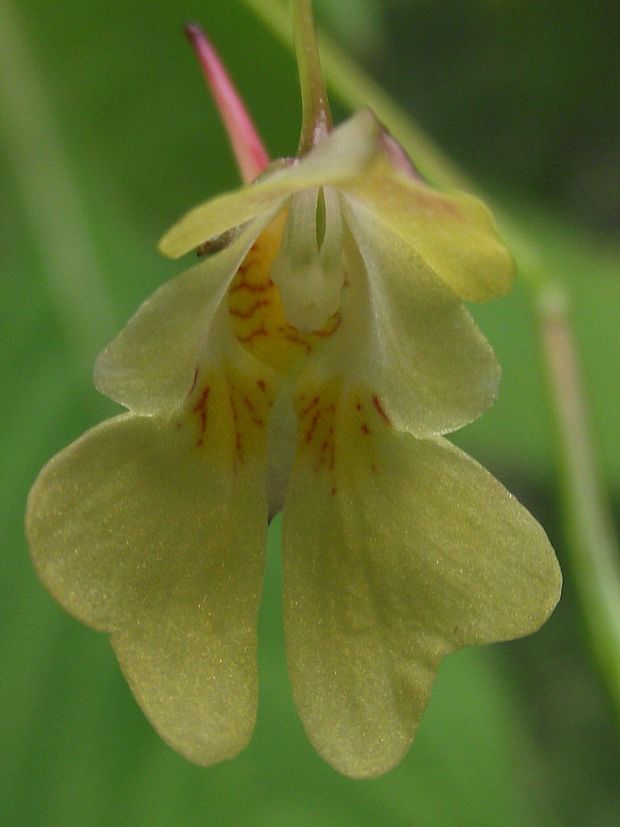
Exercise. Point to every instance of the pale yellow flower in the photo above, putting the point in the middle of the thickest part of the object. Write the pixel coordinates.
(314, 359)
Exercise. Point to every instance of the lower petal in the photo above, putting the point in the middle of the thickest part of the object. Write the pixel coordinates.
(137, 534)
(396, 551)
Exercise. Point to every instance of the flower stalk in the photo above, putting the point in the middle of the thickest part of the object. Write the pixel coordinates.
(589, 532)
(316, 114)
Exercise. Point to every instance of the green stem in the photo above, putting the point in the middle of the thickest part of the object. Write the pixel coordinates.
(51, 199)
(317, 119)
(590, 536)
(356, 89)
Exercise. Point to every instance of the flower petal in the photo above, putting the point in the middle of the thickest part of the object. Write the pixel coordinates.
(453, 234)
(406, 335)
(396, 551)
(342, 157)
(149, 367)
(137, 534)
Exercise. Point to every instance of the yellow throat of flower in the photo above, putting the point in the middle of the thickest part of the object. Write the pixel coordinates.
(284, 299)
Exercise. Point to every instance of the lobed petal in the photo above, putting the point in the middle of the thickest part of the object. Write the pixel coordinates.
(149, 367)
(453, 234)
(137, 535)
(395, 553)
(407, 335)
(344, 156)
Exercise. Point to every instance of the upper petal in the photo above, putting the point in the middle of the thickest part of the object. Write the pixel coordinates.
(453, 234)
(396, 551)
(343, 157)
(149, 367)
(405, 334)
(137, 533)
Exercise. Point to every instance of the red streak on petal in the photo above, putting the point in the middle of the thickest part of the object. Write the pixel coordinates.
(251, 288)
(261, 331)
(314, 401)
(328, 331)
(200, 408)
(377, 403)
(248, 149)
(250, 311)
(193, 381)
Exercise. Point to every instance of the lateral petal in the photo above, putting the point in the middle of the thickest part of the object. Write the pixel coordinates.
(149, 367)
(138, 533)
(396, 551)
(404, 333)
(454, 234)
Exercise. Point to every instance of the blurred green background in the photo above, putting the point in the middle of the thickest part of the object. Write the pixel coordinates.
(106, 136)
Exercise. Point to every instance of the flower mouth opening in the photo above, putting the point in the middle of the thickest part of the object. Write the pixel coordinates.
(308, 269)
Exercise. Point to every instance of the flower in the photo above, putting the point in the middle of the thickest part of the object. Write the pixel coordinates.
(314, 357)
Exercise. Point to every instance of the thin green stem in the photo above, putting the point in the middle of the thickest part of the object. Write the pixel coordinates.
(316, 114)
(590, 536)
(58, 225)
(356, 89)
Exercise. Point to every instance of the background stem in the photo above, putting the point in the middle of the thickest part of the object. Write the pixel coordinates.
(590, 537)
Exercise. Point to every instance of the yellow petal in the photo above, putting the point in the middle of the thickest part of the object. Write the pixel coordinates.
(345, 155)
(406, 335)
(135, 532)
(453, 234)
(396, 551)
(149, 367)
